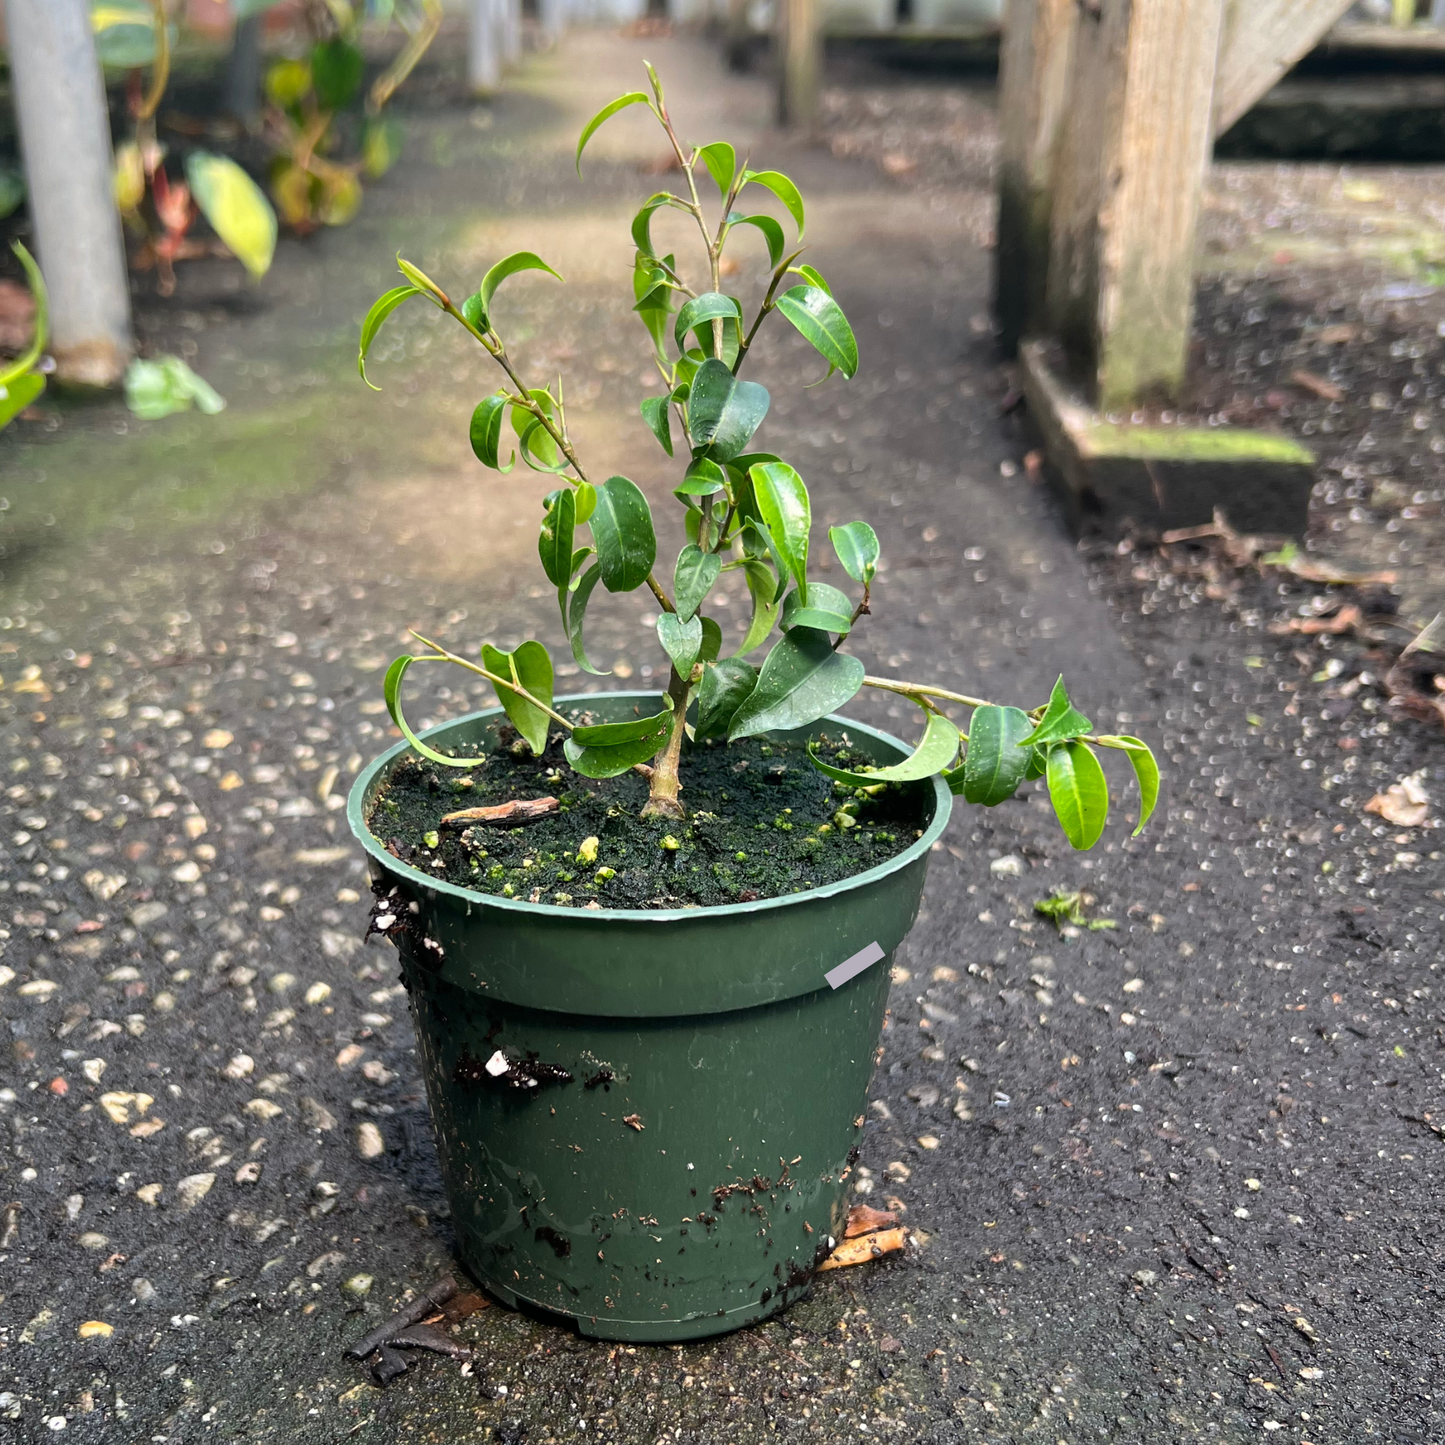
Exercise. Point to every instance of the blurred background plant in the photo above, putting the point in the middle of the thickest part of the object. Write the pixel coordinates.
(23, 379)
(160, 209)
(310, 182)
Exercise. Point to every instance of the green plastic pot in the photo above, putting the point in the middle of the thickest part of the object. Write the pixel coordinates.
(691, 1170)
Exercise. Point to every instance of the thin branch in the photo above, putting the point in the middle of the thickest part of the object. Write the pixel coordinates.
(444, 656)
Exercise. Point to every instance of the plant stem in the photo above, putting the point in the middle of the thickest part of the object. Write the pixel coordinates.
(763, 311)
(917, 690)
(442, 655)
(662, 799)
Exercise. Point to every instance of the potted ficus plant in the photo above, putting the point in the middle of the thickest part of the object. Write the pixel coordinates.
(646, 936)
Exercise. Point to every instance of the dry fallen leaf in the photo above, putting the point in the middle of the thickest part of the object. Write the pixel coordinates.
(865, 1247)
(864, 1220)
(1318, 385)
(1406, 803)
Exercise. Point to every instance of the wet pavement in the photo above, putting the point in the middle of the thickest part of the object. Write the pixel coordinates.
(1171, 1181)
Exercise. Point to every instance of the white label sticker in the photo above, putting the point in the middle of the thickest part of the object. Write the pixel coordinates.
(852, 967)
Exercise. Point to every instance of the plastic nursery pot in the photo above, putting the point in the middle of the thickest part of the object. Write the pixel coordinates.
(686, 1170)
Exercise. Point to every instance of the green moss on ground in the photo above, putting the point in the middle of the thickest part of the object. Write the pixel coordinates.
(762, 822)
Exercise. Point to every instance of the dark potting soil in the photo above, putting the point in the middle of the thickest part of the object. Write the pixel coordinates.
(761, 822)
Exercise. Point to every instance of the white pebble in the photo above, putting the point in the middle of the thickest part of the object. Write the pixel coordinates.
(194, 1188)
(369, 1143)
(239, 1067)
(92, 1069)
(318, 993)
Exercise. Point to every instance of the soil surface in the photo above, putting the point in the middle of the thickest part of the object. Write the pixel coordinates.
(761, 821)
(1177, 1180)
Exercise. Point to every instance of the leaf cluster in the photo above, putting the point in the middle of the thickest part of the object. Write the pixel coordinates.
(745, 509)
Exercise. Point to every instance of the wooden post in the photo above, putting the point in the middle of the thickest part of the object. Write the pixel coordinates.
(65, 137)
(551, 20)
(1140, 123)
(484, 47)
(511, 26)
(1037, 44)
(802, 66)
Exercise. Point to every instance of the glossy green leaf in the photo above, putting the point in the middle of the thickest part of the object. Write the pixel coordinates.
(821, 321)
(1038, 764)
(17, 394)
(856, 544)
(1078, 791)
(535, 435)
(381, 308)
(391, 692)
(771, 231)
(703, 478)
(530, 667)
(801, 680)
(783, 189)
(642, 221)
(753, 533)
(996, 763)
(936, 749)
(236, 207)
(1061, 720)
(697, 311)
(785, 509)
(157, 386)
(508, 266)
(711, 640)
(827, 609)
(657, 414)
(586, 495)
(814, 278)
(723, 412)
(609, 735)
(681, 641)
(337, 68)
(577, 614)
(1146, 770)
(692, 579)
(635, 97)
(724, 688)
(555, 542)
(763, 586)
(486, 433)
(721, 161)
(622, 529)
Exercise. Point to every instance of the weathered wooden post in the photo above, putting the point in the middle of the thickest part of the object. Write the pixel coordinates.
(1107, 135)
(484, 47)
(802, 62)
(65, 137)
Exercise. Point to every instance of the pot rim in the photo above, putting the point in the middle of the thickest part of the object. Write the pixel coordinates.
(942, 806)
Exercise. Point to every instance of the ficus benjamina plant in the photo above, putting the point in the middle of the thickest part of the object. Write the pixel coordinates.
(745, 510)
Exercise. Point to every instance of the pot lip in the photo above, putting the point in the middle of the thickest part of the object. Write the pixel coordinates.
(942, 806)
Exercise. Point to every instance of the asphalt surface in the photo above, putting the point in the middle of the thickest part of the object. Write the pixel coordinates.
(1173, 1180)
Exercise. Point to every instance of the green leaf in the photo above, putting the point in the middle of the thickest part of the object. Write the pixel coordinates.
(40, 330)
(802, 679)
(723, 412)
(1061, 720)
(17, 394)
(724, 688)
(555, 542)
(681, 641)
(755, 532)
(814, 278)
(486, 433)
(634, 97)
(692, 579)
(642, 221)
(996, 763)
(1038, 764)
(702, 478)
(576, 615)
(337, 68)
(606, 760)
(721, 161)
(936, 749)
(586, 495)
(821, 321)
(480, 314)
(785, 509)
(391, 691)
(763, 587)
(622, 528)
(856, 544)
(711, 640)
(827, 609)
(529, 667)
(772, 233)
(381, 308)
(1079, 792)
(783, 189)
(535, 432)
(609, 735)
(655, 412)
(165, 384)
(381, 141)
(697, 311)
(236, 207)
(1146, 770)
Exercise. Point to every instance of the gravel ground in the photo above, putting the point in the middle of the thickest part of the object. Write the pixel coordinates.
(1171, 1181)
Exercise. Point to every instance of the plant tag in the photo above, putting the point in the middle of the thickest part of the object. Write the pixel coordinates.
(852, 967)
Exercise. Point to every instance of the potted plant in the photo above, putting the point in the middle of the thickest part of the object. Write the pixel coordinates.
(646, 937)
